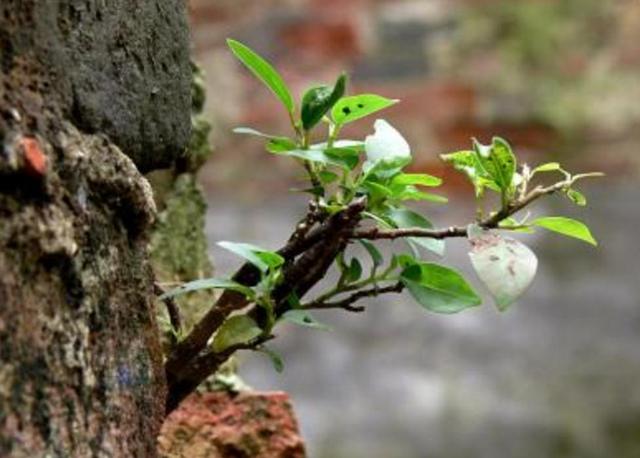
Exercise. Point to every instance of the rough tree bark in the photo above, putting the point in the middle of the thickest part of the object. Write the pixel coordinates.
(91, 94)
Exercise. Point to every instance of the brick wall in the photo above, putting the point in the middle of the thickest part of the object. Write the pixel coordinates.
(406, 49)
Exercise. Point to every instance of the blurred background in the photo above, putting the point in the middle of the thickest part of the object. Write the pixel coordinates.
(558, 375)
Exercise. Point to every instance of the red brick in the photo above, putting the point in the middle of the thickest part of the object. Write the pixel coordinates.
(436, 102)
(224, 425)
(322, 37)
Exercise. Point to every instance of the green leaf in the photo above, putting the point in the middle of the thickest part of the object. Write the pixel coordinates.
(236, 330)
(354, 272)
(208, 283)
(375, 254)
(438, 288)
(566, 226)
(327, 177)
(275, 144)
(259, 257)
(355, 145)
(511, 224)
(278, 145)
(318, 100)
(264, 72)
(576, 197)
(349, 109)
(421, 179)
(548, 167)
(506, 267)
(469, 163)
(385, 168)
(377, 193)
(276, 359)
(499, 162)
(411, 193)
(303, 318)
(345, 158)
(405, 218)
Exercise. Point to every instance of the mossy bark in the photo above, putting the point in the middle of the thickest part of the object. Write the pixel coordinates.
(179, 249)
(87, 100)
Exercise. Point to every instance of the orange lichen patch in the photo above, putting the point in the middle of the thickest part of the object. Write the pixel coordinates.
(35, 161)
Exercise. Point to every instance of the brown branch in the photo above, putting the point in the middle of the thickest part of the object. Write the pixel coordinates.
(248, 275)
(317, 239)
(491, 222)
(347, 302)
(201, 368)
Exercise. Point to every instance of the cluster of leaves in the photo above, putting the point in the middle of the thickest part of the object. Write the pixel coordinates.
(371, 175)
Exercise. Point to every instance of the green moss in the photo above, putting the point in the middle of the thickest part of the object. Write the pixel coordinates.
(199, 148)
(179, 246)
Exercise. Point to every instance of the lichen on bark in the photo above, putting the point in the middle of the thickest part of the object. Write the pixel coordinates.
(179, 250)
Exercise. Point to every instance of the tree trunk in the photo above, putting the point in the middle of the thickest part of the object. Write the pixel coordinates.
(91, 93)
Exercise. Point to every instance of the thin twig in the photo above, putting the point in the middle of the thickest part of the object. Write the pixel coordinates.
(347, 302)
(490, 222)
(172, 309)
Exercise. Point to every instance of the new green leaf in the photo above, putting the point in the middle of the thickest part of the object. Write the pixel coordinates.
(236, 330)
(548, 167)
(318, 100)
(421, 179)
(469, 163)
(567, 226)
(264, 71)
(499, 162)
(576, 197)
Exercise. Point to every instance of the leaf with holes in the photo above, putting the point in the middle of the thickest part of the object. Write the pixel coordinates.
(349, 109)
(499, 162)
(469, 163)
(506, 267)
